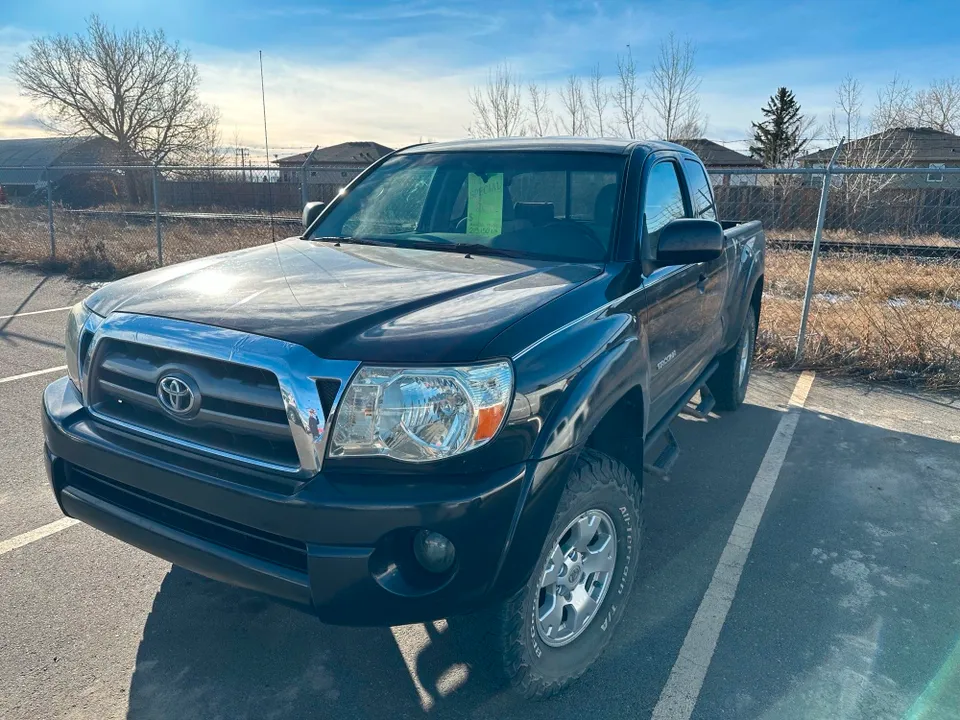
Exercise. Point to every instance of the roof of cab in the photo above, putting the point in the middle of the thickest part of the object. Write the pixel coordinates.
(568, 144)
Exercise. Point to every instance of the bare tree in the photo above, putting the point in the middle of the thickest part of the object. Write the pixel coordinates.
(575, 119)
(599, 99)
(135, 87)
(894, 106)
(872, 143)
(211, 150)
(674, 91)
(846, 118)
(212, 153)
(627, 96)
(541, 116)
(938, 106)
(498, 107)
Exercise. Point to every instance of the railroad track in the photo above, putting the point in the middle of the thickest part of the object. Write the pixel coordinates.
(861, 248)
(149, 215)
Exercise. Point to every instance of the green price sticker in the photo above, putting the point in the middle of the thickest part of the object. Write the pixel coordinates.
(485, 205)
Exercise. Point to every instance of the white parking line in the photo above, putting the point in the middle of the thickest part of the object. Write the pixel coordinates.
(34, 312)
(680, 694)
(41, 532)
(21, 376)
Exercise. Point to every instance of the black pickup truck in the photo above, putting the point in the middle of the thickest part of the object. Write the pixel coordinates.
(440, 398)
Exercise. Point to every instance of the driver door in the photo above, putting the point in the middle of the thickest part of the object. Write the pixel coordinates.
(672, 313)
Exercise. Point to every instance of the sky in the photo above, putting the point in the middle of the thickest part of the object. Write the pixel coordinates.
(400, 72)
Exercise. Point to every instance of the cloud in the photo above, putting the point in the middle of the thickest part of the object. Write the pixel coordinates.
(392, 103)
(14, 124)
(17, 118)
(396, 73)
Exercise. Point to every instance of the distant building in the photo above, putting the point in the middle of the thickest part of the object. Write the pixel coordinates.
(715, 155)
(24, 162)
(900, 147)
(336, 164)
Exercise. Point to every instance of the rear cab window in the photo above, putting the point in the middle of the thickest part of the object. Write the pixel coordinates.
(701, 192)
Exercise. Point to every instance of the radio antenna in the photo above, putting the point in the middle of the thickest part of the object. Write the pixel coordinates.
(266, 146)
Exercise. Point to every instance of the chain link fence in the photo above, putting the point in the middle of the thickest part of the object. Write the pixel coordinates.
(101, 221)
(883, 297)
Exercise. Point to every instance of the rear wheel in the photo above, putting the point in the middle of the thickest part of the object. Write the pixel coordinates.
(729, 383)
(558, 624)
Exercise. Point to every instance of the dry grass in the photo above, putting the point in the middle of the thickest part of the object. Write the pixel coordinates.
(105, 247)
(879, 278)
(915, 344)
(887, 318)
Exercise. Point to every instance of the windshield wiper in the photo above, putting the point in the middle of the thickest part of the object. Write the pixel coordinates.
(354, 240)
(481, 249)
(460, 248)
(468, 248)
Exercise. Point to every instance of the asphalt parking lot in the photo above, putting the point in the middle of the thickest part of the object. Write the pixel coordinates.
(848, 604)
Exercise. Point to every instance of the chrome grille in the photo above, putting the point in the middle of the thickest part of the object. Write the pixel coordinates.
(265, 403)
(241, 409)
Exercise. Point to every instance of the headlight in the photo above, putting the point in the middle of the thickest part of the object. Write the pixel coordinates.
(80, 318)
(422, 414)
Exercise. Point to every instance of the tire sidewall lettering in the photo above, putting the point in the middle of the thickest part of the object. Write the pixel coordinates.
(625, 573)
(622, 508)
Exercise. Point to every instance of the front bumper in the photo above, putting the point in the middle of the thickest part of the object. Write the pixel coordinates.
(339, 544)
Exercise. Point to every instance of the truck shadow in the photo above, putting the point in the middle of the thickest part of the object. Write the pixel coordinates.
(210, 650)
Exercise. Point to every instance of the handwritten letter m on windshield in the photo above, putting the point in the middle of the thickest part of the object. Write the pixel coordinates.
(485, 205)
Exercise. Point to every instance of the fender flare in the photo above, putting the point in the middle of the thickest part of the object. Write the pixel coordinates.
(598, 387)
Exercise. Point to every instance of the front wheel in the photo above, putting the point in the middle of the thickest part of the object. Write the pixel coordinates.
(729, 383)
(558, 624)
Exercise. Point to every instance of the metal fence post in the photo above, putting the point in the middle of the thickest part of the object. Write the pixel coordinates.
(53, 237)
(304, 191)
(156, 215)
(817, 235)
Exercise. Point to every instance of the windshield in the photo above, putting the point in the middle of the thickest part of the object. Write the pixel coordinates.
(551, 205)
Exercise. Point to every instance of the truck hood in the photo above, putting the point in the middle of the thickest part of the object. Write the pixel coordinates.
(356, 302)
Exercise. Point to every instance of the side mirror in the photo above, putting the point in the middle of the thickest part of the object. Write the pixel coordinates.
(310, 212)
(689, 240)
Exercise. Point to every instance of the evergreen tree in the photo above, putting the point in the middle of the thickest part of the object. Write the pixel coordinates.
(778, 139)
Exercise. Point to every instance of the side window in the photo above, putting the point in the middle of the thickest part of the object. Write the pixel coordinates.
(663, 201)
(701, 194)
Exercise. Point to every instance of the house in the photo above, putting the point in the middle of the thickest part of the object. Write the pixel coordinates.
(715, 155)
(24, 162)
(336, 164)
(900, 147)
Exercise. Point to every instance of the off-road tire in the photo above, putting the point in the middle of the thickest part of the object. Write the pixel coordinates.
(533, 668)
(729, 384)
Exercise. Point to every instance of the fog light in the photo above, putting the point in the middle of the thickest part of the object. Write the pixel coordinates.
(434, 551)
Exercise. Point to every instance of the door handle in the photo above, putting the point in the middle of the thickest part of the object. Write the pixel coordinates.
(702, 284)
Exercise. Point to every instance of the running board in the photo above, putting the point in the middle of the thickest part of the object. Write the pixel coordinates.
(703, 408)
(667, 457)
(669, 454)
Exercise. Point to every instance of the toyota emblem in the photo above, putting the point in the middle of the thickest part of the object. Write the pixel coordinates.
(178, 395)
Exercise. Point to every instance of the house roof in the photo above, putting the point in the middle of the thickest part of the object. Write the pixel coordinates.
(349, 153)
(22, 159)
(714, 154)
(926, 145)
